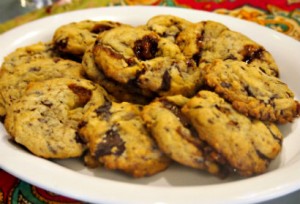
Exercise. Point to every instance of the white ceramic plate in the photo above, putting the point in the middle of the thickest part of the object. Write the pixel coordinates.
(177, 184)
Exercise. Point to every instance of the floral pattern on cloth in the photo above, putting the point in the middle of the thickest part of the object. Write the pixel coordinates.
(15, 191)
(280, 15)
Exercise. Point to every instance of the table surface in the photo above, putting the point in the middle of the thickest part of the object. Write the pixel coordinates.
(12, 14)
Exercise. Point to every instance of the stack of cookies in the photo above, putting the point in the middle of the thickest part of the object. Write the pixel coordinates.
(136, 99)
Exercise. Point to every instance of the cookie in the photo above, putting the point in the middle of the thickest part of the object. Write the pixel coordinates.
(75, 37)
(24, 55)
(142, 58)
(193, 39)
(248, 145)
(251, 91)
(121, 92)
(27, 54)
(45, 119)
(167, 26)
(117, 138)
(177, 138)
(14, 82)
(207, 41)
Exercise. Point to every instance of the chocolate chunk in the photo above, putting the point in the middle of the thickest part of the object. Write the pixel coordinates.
(83, 94)
(112, 143)
(251, 53)
(196, 57)
(100, 28)
(61, 44)
(146, 48)
(135, 81)
(79, 139)
(82, 124)
(166, 82)
(103, 110)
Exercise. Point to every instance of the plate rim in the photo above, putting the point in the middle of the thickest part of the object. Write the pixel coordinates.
(261, 196)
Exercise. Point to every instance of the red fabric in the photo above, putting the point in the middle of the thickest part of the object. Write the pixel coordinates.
(211, 5)
(7, 183)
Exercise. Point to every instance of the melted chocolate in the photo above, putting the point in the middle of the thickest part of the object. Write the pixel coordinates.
(251, 53)
(100, 28)
(112, 143)
(83, 94)
(146, 48)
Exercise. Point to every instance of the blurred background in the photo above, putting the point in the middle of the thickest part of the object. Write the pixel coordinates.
(12, 8)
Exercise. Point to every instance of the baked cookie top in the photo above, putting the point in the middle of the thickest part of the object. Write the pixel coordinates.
(167, 26)
(251, 91)
(121, 92)
(45, 119)
(207, 41)
(14, 82)
(248, 145)
(141, 57)
(193, 39)
(27, 54)
(116, 136)
(75, 37)
(177, 138)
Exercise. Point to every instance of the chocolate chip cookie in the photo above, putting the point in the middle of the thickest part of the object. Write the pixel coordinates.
(177, 138)
(45, 119)
(116, 136)
(248, 145)
(75, 37)
(251, 91)
(27, 54)
(207, 41)
(121, 92)
(14, 82)
(142, 58)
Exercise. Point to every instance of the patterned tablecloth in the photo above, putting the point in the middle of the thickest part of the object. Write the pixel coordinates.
(280, 15)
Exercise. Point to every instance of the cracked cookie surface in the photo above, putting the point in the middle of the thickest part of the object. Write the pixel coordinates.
(167, 26)
(247, 145)
(177, 138)
(121, 92)
(45, 119)
(142, 58)
(207, 41)
(27, 54)
(117, 138)
(251, 91)
(14, 82)
(75, 37)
